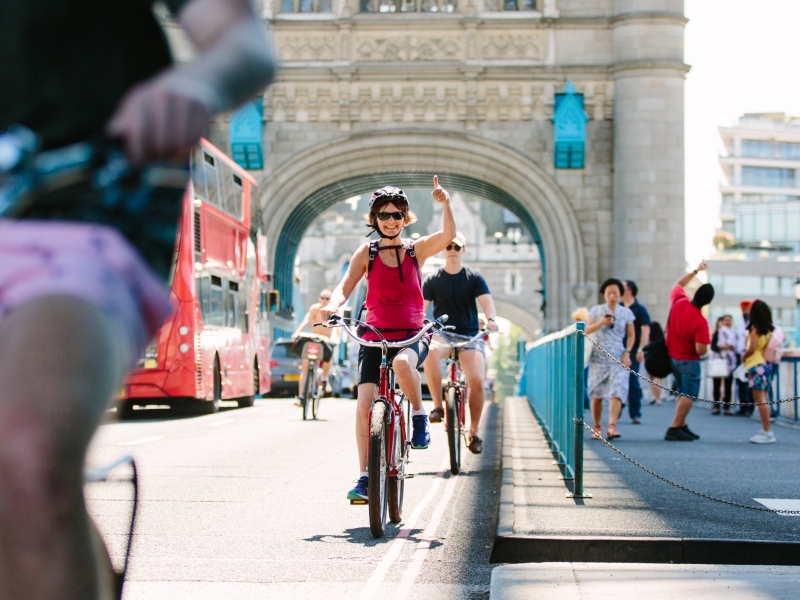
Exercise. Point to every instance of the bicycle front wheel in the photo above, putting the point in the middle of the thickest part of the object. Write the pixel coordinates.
(396, 485)
(378, 470)
(454, 429)
(317, 396)
(309, 391)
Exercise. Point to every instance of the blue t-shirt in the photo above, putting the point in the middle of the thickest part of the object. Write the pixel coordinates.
(454, 296)
(642, 318)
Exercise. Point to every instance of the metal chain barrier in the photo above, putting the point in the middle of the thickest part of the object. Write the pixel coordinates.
(668, 390)
(683, 487)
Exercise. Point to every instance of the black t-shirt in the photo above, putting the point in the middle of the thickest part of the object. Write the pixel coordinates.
(64, 67)
(454, 295)
(65, 64)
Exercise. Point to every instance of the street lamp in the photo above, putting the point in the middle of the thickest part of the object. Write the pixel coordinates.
(797, 317)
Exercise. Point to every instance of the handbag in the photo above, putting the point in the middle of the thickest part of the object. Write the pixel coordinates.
(740, 373)
(718, 367)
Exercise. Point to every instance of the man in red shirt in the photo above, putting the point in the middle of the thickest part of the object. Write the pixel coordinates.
(687, 341)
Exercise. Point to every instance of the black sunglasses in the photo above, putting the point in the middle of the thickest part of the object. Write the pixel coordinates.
(453, 247)
(385, 216)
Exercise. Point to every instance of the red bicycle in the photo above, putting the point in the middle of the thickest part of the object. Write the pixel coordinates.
(455, 393)
(388, 436)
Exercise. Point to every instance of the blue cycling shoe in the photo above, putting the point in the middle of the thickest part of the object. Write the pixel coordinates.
(420, 438)
(360, 491)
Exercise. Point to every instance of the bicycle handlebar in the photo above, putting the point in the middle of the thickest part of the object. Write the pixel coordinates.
(338, 321)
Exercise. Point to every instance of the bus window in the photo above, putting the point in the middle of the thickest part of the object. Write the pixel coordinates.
(210, 168)
(227, 202)
(244, 312)
(216, 308)
(199, 180)
(232, 304)
(238, 196)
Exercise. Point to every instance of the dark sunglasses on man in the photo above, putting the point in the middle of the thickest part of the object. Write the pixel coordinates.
(397, 216)
(453, 246)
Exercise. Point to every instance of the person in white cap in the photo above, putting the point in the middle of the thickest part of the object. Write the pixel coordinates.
(454, 289)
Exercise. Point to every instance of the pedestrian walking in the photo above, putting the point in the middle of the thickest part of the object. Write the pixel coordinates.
(746, 405)
(611, 322)
(759, 370)
(581, 314)
(641, 327)
(656, 335)
(723, 358)
(687, 341)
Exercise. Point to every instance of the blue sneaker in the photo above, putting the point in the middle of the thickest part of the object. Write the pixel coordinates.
(360, 491)
(420, 438)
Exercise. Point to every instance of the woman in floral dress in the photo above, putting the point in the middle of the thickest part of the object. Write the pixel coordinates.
(610, 322)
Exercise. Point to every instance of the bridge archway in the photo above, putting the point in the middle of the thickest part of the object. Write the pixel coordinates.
(326, 175)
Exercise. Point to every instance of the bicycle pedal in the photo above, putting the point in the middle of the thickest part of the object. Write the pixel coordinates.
(410, 476)
(359, 502)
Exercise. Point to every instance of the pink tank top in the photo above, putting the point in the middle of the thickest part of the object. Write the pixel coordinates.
(394, 306)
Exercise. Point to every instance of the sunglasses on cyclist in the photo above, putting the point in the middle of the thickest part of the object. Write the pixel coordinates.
(385, 216)
(453, 247)
(324, 297)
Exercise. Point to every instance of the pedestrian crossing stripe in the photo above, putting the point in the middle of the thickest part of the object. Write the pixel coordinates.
(781, 504)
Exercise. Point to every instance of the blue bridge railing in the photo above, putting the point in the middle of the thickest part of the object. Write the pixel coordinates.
(554, 386)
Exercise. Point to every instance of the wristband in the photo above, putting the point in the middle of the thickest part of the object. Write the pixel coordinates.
(491, 319)
(626, 350)
(695, 271)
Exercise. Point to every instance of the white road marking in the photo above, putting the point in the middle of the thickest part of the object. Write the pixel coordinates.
(375, 580)
(223, 422)
(425, 541)
(155, 438)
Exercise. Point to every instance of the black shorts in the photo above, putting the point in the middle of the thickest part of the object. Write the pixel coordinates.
(369, 359)
(303, 339)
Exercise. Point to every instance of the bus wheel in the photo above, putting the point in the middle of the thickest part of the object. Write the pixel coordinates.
(211, 407)
(246, 401)
(124, 409)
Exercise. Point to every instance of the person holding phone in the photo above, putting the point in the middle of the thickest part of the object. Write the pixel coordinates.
(613, 323)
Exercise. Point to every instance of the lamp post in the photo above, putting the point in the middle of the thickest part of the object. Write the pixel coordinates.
(797, 317)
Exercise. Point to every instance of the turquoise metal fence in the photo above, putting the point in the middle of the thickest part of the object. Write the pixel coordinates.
(554, 386)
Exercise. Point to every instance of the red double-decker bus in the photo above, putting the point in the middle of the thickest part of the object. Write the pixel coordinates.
(216, 345)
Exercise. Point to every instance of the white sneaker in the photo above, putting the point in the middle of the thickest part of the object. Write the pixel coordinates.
(763, 437)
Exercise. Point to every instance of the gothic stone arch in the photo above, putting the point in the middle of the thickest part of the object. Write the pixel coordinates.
(461, 155)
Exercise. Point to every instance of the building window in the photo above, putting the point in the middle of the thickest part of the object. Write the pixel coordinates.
(768, 177)
(513, 282)
(782, 150)
(306, 6)
(494, 5)
(401, 6)
(778, 223)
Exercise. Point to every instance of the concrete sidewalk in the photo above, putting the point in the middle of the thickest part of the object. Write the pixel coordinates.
(572, 581)
(634, 517)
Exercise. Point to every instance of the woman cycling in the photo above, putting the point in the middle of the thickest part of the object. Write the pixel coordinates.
(394, 307)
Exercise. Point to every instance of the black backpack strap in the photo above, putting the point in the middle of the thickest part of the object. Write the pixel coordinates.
(409, 246)
(373, 253)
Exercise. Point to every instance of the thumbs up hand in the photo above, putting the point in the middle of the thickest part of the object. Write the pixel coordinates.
(439, 193)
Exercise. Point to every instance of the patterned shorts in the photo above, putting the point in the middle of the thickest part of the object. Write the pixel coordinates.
(91, 262)
(760, 376)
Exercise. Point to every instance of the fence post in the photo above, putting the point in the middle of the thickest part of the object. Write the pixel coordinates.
(576, 365)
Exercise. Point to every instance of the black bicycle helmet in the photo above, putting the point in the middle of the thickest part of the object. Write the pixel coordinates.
(387, 194)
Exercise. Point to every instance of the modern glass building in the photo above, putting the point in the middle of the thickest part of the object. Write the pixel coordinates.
(758, 251)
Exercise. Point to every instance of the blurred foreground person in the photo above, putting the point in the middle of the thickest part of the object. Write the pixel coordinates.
(83, 286)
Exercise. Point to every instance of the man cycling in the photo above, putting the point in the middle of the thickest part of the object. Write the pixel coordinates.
(394, 307)
(323, 335)
(453, 290)
(81, 288)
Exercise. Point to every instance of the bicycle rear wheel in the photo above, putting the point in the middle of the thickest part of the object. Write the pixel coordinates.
(454, 429)
(378, 470)
(396, 485)
(317, 396)
(309, 389)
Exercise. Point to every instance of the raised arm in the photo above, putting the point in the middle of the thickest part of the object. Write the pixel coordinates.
(356, 270)
(161, 118)
(303, 324)
(435, 243)
(684, 281)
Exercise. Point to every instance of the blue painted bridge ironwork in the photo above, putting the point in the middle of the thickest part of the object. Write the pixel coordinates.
(554, 386)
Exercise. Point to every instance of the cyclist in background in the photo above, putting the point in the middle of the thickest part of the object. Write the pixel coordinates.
(328, 340)
(394, 307)
(81, 288)
(453, 289)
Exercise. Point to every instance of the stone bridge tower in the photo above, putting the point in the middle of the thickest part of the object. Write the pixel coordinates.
(468, 88)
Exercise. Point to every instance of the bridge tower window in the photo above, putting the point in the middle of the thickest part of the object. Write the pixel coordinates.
(306, 6)
(401, 6)
(494, 5)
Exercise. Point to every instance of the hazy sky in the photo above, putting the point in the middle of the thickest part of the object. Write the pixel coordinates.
(744, 58)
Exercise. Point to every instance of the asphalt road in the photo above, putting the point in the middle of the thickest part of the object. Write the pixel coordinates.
(250, 503)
